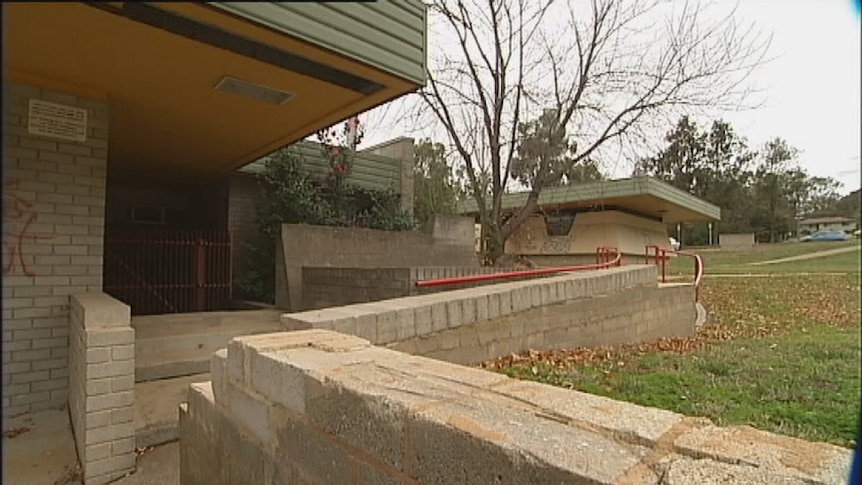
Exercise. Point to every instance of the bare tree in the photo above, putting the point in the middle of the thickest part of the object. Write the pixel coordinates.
(604, 68)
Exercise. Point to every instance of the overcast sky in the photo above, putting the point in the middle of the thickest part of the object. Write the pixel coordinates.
(811, 87)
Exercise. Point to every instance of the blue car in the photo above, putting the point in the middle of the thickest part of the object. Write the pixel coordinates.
(825, 236)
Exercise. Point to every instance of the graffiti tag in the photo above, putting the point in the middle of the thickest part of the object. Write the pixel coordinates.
(18, 217)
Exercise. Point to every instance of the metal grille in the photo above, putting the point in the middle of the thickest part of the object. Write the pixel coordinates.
(159, 270)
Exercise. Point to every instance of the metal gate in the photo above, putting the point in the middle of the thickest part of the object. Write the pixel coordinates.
(159, 270)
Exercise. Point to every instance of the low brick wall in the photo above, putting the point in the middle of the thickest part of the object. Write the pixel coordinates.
(611, 306)
(102, 386)
(326, 408)
(324, 287)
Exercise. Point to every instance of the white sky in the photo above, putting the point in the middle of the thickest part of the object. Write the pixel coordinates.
(811, 87)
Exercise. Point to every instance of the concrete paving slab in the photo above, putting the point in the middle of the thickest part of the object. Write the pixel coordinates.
(39, 449)
(156, 402)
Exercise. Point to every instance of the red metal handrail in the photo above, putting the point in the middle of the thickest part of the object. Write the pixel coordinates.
(661, 258)
(603, 260)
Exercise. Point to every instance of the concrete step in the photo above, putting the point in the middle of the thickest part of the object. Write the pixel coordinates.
(177, 363)
(156, 408)
(168, 346)
(157, 326)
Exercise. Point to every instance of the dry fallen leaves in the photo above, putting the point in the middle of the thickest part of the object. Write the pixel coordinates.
(737, 307)
(15, 432)
(141, 450)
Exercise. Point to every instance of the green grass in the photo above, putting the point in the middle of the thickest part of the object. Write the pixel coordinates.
(779, 354)
(836, 263)
(738, 261)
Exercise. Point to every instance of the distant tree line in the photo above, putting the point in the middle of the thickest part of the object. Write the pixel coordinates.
(764, 191)
(761, 190)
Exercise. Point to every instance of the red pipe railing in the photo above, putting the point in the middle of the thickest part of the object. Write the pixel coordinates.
(661, 258)
(603, 260)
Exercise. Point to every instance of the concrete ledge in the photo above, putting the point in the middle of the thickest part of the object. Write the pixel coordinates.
(321, 407)
(508, 298)
(606, 307)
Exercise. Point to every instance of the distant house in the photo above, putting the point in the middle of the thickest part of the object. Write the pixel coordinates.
(830, 223)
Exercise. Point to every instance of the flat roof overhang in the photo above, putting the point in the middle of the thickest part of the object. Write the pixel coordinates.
(157, 65)
(643, 196)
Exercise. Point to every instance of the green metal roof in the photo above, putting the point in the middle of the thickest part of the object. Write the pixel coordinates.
(369, 171)
(389, 35)
(642, 194)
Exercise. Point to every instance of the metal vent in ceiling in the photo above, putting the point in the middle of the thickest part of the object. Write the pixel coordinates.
(240, 87)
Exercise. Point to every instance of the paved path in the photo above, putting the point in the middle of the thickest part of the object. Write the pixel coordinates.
(818, 254)
(752, 275)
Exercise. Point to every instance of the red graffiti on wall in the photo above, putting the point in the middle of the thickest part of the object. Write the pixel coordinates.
(18, 215)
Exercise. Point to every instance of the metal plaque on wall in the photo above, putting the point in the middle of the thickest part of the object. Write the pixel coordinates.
(57, 121)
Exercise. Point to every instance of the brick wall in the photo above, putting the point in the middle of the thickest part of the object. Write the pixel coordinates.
(322, 407)
(53, 214)
(102, 392)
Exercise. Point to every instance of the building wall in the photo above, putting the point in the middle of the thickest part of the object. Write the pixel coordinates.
(629, 233)
(53, 228)
(831, 226)
(193, 202)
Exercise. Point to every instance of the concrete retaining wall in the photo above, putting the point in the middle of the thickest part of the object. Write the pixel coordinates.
(101, 380)
(318, 407)
(324, 287)
(446, 242)
(611, 306)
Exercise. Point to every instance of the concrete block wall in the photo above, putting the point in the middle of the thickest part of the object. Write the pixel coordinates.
(300, 245)
(53, 227)
(400, 149)
(102, 392)
(632, 315)
(318, 407)
(245, 196)
(611, 306)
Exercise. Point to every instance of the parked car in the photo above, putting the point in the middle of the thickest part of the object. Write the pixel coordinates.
(825, 236)
(674, 244)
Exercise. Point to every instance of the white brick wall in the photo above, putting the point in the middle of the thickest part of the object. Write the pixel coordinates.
(102, 380)
(54, 206)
